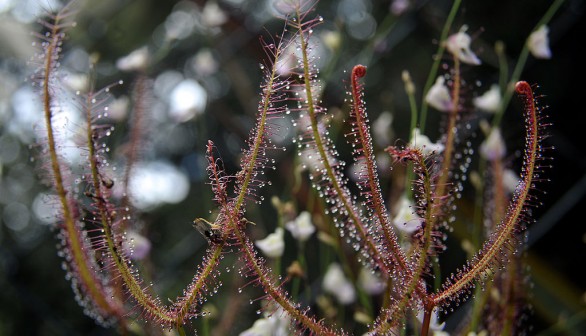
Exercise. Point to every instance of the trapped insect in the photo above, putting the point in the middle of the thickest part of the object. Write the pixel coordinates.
(212, 232)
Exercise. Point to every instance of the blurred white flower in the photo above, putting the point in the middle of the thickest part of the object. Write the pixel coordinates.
(381, 128)
(538, 43)
(136, 246)
(273, 245)
(301, 228)
(187, 100)
(493, 147)
(331, 39)
(383, 163)
(136, 60)
(481, 333)
(281, 7)
(204, 63)
(213, 15)
(510, 180)
(490, 101)
(77, 81)
(180, 24)
(406, 220)
(438, 96)
(398, 7)
(370, 282)
(433, 324)
(336, 284)
(261, 327)
(422, 142)
(275, 324)
(155, 183)
(459, 45)
(118, 110)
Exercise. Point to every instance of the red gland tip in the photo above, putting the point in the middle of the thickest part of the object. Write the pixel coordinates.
(522, 88)
(359, 70)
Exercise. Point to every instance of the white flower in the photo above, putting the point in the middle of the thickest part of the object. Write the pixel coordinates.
(370, 282)
(510, 180)
(406, 219)
(336, 284)
(433, 324)
(493, 147)
(273, 245)
(438, 96)
(301, 228)
(422, 142)
(538, 43)
(275, 324)
(261, 327)
(136, 60)
(136, 245)
(459, 45)
(490, 101)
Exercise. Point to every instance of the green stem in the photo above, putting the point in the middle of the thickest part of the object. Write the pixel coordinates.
(337, 185)
(79, 259)
(437, 59)
(510, 89)
(410, 90)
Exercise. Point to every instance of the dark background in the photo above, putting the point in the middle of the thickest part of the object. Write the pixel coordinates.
(35, 298)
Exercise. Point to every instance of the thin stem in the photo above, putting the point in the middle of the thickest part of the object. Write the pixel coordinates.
(367, 154)
(499, 48)
(498, 241)
(410, 90)
(136, 136)
(426, 320)
(79, 259)
(277, 295)
(427, 196)
(521, 63)
(341, 192)
(437, 59)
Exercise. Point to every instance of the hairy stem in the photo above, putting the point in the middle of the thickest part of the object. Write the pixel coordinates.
(338, 188)
(516, 209)
(86, 273)
(365, 141)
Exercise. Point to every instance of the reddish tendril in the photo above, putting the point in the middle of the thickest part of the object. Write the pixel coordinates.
(358, 71)
(523, 88)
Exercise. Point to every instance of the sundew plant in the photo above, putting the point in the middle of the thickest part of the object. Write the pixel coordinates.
(193, 189)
